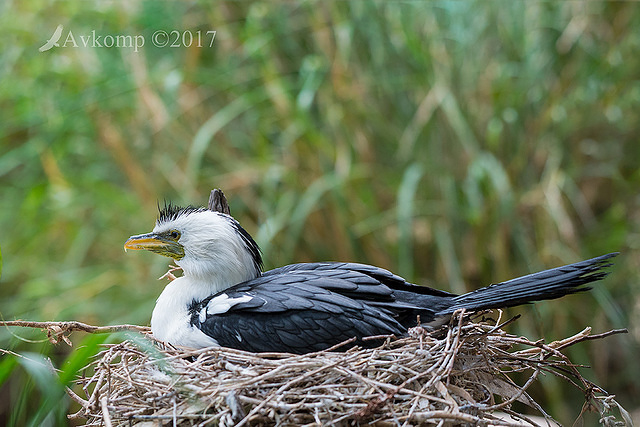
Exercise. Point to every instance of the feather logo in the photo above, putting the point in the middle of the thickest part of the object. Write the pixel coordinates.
(53, 41)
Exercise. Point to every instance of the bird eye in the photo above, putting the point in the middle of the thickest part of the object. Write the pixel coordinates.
(175, 234)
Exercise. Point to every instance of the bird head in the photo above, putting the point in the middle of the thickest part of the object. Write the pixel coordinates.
(205, 244)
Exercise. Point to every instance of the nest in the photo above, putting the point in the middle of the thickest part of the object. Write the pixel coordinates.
(461, 375)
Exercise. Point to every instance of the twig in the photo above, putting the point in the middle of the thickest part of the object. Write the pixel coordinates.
(169, 274)
(75, 326)
(56, 330)
(378, 337)
(593, 337)
(105, 412)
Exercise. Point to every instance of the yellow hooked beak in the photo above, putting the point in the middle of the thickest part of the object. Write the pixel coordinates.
(161, 243)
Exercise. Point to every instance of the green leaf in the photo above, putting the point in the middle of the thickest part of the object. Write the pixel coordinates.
(7, 364)
(406, 207)
(40, 370)
(81, 357)
(53, 404)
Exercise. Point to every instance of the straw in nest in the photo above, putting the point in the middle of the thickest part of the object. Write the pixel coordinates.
(460, 376)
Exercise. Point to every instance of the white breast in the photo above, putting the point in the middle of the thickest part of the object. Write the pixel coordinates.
(171, 320)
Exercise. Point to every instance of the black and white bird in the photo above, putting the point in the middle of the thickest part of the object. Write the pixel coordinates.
(224, 299)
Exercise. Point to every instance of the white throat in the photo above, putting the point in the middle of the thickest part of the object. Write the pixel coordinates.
(171, 319)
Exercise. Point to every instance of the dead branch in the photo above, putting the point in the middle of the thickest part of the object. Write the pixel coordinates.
(59, 331)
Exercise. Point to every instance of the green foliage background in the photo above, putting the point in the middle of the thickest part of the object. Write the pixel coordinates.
(455, 143)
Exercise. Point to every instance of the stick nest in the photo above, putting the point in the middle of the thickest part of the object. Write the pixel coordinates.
(461, 375)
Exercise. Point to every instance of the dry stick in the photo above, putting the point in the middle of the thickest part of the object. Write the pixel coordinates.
(166, 417)
(455, 416)
(521, 390)
(56, 330)
(377, 337)
(13, 353)
(447, 352)
(96, 391)
(518, 416)
(283, 388)
(571, 369)
(556, 344)
(594, 337)
(76, 398)
(75, 326)
(342, 344)
(105, 412)
(441, 368)
(503, 324)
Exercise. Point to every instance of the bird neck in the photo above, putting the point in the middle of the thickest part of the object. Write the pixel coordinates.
(202, 286)
(171, 316)
(208, 278)
(205, 277)
(183, 291)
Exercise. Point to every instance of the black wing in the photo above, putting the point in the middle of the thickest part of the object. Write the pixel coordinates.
(301, 308)
(380, 275)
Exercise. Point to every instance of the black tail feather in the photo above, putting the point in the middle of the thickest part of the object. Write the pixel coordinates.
(548, 284)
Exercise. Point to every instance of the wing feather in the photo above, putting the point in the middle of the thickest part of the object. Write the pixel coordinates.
(311, 306)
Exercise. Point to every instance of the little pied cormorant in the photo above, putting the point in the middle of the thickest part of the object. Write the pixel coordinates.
(224, 298)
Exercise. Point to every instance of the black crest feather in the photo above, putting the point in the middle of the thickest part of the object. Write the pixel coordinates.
(171, 212)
